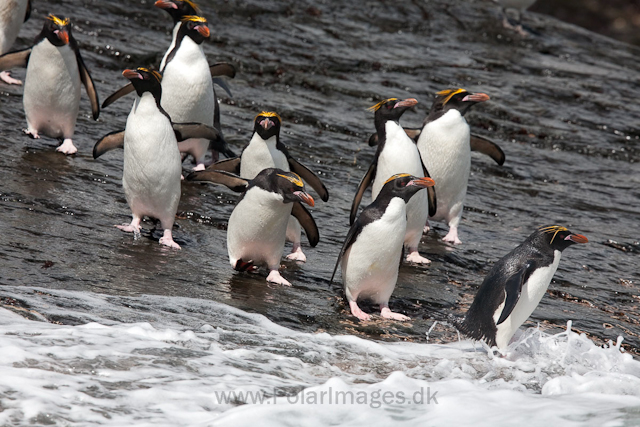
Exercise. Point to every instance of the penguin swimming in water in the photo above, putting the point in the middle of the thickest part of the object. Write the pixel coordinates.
(258, 224)
(188, 92)
(445, 147)
(265, 150)
(12, 14)
(151, 177)
(372, 251)
(55, 70)
(397, 153)
(515, 285)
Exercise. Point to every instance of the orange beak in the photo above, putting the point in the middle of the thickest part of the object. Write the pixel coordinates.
(163, 4)
(132, 74)
(63, 35)
(410, 102)
(476, 97)
(306, 198)
(422, 182)
(577, 238)
(203, 30)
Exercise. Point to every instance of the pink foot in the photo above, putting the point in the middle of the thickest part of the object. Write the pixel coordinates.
(416, 258)
(388, 314)
(6, 77)
(67, 147)
(199, 167)
(426, 228)
(167, 240)
(275, 277)
(129, 228)
(32, 133)
(355, 310)
(297, 254)
(452, 236)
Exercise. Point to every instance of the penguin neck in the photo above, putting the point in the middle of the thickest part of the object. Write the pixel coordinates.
(270, 142)
(382, 128)
(149, 96)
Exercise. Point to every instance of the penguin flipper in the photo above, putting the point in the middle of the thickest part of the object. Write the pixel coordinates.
(431, 193)
(27, 13)
(307, 222)
(310, 177)
(513, 289)
(87, 81)
(222, 69)
(352, 235)
(488, 147)
(367, 179)
(373, 140)
(126, 89)
(16, 59)
(228, 165)
(413, 133)
(195, 130)
(220, 82)
(231, 181)
(109, 142)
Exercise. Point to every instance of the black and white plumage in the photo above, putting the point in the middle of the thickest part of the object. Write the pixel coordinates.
(515, 285)
(55, 70)
(265, 150)
(12, 14)
(397, 153)
(372, 250)
(258, 224)
(445, 146)
(187, 83)
(152, 163)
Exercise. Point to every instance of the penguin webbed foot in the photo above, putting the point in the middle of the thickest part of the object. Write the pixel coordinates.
(415, 257)
(357, 312)
(167, 240)
(386, 313)
(6, 77)
(67, 147)
(31, 133)
(452, 237)
(297, 254)
(275, 277)
(130, 228)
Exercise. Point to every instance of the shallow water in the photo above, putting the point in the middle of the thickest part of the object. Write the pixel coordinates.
(563, 108)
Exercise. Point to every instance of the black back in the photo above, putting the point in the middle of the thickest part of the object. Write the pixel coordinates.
(507, 276)
(178, 8)
(447, 100)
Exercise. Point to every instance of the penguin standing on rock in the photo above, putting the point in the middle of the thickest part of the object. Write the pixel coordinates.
(515, 285)
(188, 94)
(12, 14)
(55, 70)
(258, 224)
(372, 251)
(152, 165)
(445, 147)
(266, 151)
(397, 153)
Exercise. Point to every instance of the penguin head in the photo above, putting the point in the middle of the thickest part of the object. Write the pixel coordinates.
(287, 184)
(556, 237)
(391, 109)
(405, 186)
(144, 80)
(458, 99)
(267, 124)
(56, 30)
(195, 27)
(178, 8)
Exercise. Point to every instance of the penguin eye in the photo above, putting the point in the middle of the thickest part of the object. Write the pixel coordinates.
(390, 106)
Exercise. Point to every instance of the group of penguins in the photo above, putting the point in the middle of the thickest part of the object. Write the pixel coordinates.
(416, 174)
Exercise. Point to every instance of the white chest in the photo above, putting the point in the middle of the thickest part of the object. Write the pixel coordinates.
(399, 155)
(261, 154)
(149, 134)
(52, 75)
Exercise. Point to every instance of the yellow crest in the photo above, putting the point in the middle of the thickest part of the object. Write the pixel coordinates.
(448, 93)
(294, 179)
(269, 114)
(555, 229)
(155, 74)
(380, 104)
(396, 176)
(192, 4)
(194, 18)
(59, 22)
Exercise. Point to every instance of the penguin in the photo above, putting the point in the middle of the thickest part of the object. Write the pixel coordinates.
(372, 251)
(445, 146)
(152, 163)
(515, 285)
(12, 14)
(188, 92)
(265, 150)
(55, 70)
(397, 153)
(257, 226)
